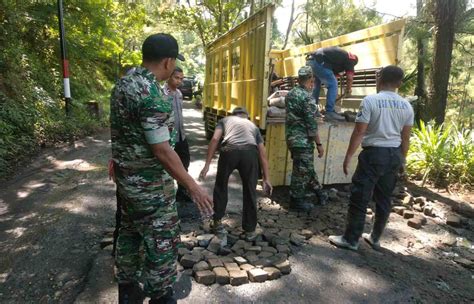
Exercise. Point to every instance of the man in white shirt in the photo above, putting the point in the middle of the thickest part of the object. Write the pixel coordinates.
(182, 147)
(383, 127)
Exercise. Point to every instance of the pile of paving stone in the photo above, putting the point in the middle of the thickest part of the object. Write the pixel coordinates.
(413, 209)
(228, 258)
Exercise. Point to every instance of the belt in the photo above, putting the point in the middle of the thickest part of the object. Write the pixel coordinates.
(229, 147)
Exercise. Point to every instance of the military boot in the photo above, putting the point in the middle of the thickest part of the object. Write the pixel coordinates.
(130, 293)
(300, 205)
(379, 226)
(322, 196)
(167, 298)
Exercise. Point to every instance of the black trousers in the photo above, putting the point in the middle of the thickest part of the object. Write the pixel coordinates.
(374, 178)
(182, 149)
(246, 162)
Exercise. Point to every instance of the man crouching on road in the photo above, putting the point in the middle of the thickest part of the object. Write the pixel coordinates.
(242, 149)
(145, 166)
(383, 126)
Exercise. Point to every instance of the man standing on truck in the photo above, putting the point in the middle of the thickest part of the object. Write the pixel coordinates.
(181, 147)
(327, 63)
(383, 126)
(242, 148)
(144, 167)
(301, 136)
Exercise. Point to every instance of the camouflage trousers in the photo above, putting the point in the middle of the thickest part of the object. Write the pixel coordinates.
(147, 247)
(304, 180)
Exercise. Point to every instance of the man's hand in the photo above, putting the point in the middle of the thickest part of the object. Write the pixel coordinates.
(203, 201)
(202, 175)
(320, 150)
(345, 165)
(267, 187)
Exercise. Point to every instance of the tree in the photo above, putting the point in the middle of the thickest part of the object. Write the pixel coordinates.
(445, 14)
(331, 18)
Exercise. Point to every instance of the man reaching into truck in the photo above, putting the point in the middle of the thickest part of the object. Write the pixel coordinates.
(327, 63)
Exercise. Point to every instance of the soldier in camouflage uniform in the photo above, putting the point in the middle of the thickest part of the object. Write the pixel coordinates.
(301, 135)
(145, 164)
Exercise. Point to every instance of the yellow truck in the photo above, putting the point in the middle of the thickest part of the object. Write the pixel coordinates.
(239, 65)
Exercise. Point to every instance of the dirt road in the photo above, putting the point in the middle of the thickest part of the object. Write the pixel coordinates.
(54, 214)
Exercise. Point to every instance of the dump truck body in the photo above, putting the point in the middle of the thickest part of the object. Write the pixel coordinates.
(238, 69)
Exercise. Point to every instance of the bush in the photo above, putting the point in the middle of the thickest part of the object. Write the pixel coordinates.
(443, 155)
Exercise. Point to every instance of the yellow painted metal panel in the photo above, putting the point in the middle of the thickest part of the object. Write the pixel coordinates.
(339, 136)
(334, 137)
(237, 67)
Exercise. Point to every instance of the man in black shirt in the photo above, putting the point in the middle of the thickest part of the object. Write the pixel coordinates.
(327, 63)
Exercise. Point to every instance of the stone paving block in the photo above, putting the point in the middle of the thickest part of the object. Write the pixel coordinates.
(414, 223)
(188, 260)
(273, 273)
(225, 251)
(454, 221)
(183, 251)
(231, 266)
(246, 267)
(222, 275)
(269, 249)
(213, 263)
(297, 239)
(399, 210)
(283, 248)
(284, 267)
(261, 244)
(306, 233)
(205, 277)
(238, 277)
(408, 214)
(240, 260)
(200, 266)
(257, 275)
(255, 249)
(263, 262)
(265, 254)
(204, 239)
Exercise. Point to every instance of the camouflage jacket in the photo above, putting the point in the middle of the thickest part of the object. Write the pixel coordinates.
(140, 115)
(301, 127)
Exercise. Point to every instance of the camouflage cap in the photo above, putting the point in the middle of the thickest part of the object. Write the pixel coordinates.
(305, 71)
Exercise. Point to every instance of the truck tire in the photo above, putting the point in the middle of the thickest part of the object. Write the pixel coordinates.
(209, 133)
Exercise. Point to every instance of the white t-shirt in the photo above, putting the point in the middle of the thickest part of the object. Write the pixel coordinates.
(386, 113)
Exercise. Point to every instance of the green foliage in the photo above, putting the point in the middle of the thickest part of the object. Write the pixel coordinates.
(442, 155)
(31, 108)
(331, 18)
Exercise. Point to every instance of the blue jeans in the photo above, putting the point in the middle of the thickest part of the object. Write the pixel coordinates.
(326, 76)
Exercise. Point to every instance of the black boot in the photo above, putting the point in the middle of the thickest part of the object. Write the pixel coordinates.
(322, 196)
(167, 298)
(130, 293)
(379, 226)
(300, 205)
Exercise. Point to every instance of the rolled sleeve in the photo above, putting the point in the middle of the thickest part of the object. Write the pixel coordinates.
(153, 120)
(364, 112)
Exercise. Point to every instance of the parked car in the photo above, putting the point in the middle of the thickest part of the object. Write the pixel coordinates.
(186, 87)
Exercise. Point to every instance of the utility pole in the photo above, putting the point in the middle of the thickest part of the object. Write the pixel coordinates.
(65, 62)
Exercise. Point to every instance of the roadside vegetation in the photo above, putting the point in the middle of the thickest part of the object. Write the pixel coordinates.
(104, 40)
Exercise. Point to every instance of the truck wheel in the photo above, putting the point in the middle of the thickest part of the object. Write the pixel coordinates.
(209, 133)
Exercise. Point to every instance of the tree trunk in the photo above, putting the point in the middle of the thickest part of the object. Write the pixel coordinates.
(420, 89)
(445, 12)
(290, 24)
